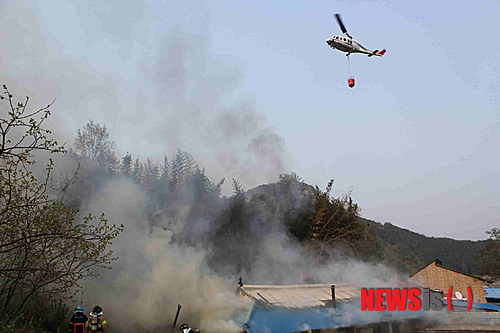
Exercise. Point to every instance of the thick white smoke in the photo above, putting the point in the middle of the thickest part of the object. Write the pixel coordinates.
(145, 70)
(153, 276)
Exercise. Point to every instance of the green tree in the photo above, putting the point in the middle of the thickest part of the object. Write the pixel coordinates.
(202, 188)
(335, 223)
(183, 166)
(138, 172)
(288, 179)
(46, 249)
(203, 198)
(494, 234)
(93, 142)
(126, 165)
(151, 176)
(489, 256)
(233, 250)
(165, 170)
(298, 212)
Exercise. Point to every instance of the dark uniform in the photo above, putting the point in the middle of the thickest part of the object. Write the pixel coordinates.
(78, 321)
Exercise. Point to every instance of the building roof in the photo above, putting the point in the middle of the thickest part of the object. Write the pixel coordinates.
(479, 306)
(440, 264)
(492, 292)
(299, 296)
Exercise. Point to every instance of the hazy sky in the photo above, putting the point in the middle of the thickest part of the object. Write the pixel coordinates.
(416, 141)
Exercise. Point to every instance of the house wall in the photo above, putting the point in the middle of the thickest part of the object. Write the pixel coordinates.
(436, 277)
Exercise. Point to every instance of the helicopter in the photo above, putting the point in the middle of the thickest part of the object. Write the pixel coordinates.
(348, 44)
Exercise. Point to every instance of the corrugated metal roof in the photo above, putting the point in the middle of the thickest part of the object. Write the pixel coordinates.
(299, 296)
(479, 306)
(492, 292)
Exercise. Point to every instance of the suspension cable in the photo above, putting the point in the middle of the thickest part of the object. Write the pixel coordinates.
(349, 66)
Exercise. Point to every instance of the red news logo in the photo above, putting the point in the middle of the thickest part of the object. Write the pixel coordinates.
(407, 299)
(397, 299)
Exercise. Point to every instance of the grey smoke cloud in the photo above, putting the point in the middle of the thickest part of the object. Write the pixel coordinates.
(148, 73)
(152, 276)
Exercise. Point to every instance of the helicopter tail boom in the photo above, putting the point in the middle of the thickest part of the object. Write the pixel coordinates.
(377, 53)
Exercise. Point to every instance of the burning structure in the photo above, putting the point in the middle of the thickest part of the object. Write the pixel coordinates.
(288, 308)
(318, 307)
(336, 308)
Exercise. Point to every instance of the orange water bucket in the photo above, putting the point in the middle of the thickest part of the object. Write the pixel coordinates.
(351, 82)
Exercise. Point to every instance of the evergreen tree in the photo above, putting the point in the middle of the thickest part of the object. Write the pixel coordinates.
(137, 173)
(233, 238)
(150, 176)
(182, 169)
(165, 171)
(489, 257)
(126, 165)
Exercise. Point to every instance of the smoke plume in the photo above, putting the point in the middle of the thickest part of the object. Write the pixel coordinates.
(151, 78)
(148, 72)
(153, 275)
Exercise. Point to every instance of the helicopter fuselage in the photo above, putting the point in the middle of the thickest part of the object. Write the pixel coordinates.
(349, 45)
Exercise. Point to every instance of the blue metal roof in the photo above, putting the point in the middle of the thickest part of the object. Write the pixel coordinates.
(284, 320)
(492, 292)
(476, 306)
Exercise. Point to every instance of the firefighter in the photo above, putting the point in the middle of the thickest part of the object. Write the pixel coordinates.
(78, 321)
(184, 328)
(97, 323)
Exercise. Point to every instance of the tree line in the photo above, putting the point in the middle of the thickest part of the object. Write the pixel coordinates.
(179, 191)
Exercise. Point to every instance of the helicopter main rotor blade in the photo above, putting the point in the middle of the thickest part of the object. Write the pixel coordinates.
(341, 24)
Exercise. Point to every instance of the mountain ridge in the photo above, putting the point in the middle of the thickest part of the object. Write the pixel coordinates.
(404, 249)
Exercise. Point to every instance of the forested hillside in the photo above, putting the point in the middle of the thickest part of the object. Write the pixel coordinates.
(183, 199)
(457, 254)
(282, 232)
(398, 247)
